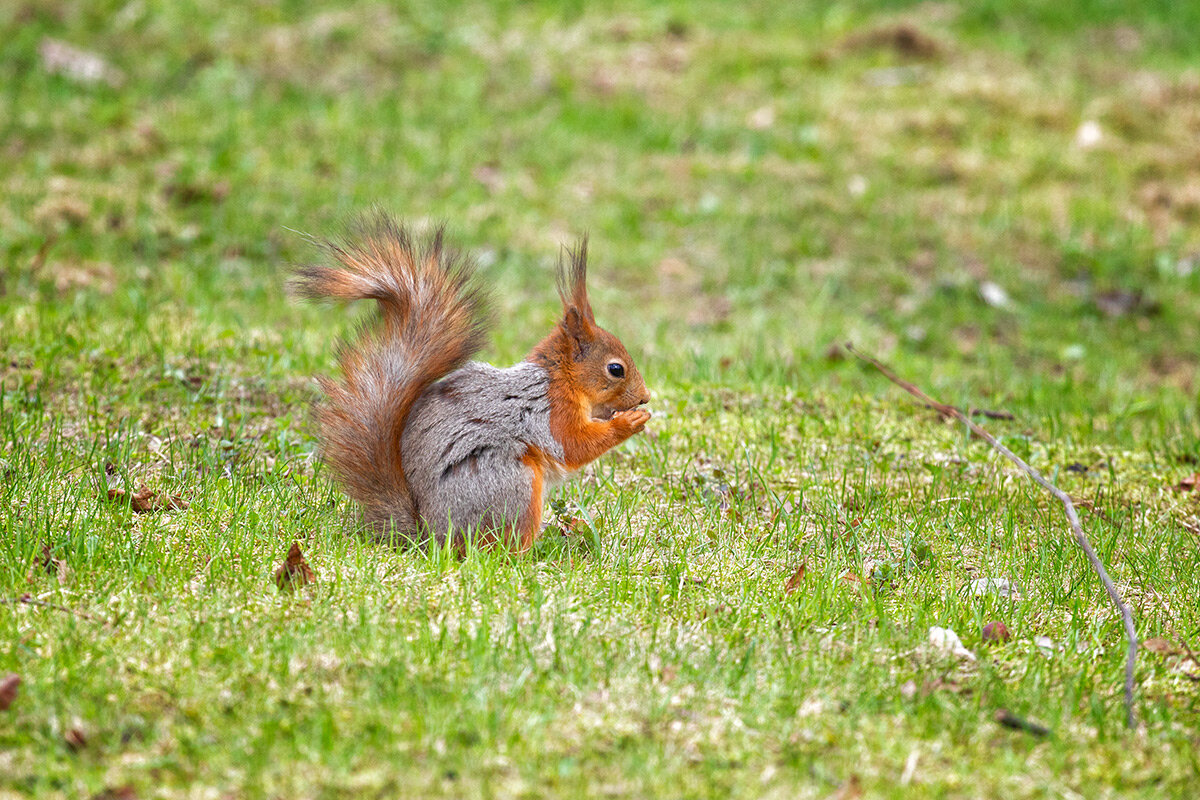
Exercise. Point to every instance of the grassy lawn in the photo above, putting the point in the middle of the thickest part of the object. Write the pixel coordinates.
(1000, 199)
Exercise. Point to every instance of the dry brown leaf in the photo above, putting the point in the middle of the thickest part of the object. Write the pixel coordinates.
(54, 566)
(1189, 483)
(75, 739)
(9, 685)
(295, 571)
(146, 500)
(142, 500)
(793, 583)
(849, 576)
(1160, 646)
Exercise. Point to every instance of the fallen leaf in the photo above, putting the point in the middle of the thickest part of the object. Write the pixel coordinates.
(793, 583)
(295, 571)
(54, 566)
(996, 633)
(146, 500)
(75, 739)
(1188, 483)
(1160, 646)
(9, 685)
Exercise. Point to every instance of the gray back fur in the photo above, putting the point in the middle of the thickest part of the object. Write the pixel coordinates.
(463, 443)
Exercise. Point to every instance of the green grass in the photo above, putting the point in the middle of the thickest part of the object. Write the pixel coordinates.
(760, 181)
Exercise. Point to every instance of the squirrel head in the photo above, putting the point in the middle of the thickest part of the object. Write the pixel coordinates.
(588, 358)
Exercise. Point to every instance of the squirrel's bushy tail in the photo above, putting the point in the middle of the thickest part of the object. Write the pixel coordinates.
(432, 318)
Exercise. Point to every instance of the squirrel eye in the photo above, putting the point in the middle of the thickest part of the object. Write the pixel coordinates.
(616, 370)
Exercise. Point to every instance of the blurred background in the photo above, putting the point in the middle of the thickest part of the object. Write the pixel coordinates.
(1001, 197)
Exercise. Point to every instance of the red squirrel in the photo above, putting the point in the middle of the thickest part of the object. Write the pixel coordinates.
(432, 445)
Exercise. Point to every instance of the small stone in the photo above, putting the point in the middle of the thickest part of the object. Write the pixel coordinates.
(1088, 135)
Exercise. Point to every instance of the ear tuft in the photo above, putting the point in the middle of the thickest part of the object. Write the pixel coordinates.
(572, 279)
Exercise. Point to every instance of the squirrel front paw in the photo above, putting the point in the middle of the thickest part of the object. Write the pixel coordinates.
(635, 419)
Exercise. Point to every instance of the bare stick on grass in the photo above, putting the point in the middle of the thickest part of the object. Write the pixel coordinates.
(1072, 517)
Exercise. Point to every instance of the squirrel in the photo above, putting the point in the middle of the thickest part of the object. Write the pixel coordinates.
(433, 445)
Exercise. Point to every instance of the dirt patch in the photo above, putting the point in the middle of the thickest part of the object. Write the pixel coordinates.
(904, 39)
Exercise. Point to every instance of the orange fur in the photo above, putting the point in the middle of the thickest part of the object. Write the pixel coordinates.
(531, 525)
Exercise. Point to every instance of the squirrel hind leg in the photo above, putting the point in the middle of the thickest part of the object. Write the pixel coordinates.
(529, 526)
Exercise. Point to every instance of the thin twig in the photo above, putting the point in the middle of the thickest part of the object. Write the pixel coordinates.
(29, 601)
(1072, 517)
(1191, 656)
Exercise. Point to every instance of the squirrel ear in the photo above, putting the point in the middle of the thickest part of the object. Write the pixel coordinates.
(576, 323)
(578, 329)
(572, 280)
